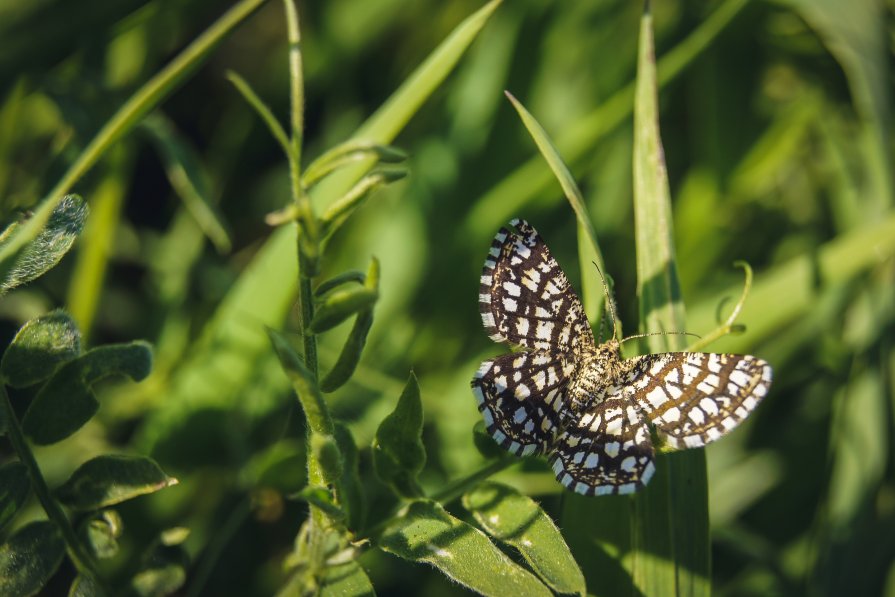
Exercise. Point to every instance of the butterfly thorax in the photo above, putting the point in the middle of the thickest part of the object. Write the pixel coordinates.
(599, 373)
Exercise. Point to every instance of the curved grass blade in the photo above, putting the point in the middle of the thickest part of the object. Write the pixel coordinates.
(671, 535)
(588, 248)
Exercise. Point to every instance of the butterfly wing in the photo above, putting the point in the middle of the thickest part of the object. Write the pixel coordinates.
(520, 396)
(695, 398)
(605, 450)
(525, 298)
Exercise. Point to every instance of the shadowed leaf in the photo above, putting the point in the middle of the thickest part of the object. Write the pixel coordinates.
(29, 558)
(40, 346)
(108, 480)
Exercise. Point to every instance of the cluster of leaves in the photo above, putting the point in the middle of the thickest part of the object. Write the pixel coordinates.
(46, 365)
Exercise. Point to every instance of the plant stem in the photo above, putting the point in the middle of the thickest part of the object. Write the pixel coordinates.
(82, 560)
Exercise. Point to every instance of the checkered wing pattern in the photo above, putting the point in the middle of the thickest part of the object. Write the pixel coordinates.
(604, 451)
(694, 398)
(525, 298)
(520, 396)
(581, 404)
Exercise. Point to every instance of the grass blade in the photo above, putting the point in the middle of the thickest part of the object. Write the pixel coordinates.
(670, 530)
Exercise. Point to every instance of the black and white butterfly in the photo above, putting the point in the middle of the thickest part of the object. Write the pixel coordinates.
(580, 403)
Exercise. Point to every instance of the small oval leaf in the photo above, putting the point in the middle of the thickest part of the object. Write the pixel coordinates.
(109, 479)
(398, 451)
(39, 348)
(51, 244)
(340, 305)
(67, 401)
(518, 521)
(14, 489)
(425, 532)
(30, 557)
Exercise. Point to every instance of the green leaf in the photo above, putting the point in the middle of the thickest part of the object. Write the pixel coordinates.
(273, 125)
(518, 521)
(385, 124)
(163, 574)
(188, 178)
(346, 153)
(39, 347)
(84, 587)
(351, 497)
(326, 452)
(15, 485)
(29, 558)
(346, 580)
(340, 305)
(425, 532)
(110, 479)
(41, 254)
(520, 188)
(398, 451)
(671, 534)
(589, 250)
(340, 210)
(67, 401)
(351, 352)
(484, 443)
(322, 499)
(101, 532)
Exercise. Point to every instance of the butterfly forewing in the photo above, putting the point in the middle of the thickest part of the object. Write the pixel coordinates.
(694, 398)
(525, 298)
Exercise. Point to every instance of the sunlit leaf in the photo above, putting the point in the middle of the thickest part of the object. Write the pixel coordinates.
(425, 532)
(518, 521)
(38, 256)
(39, 347)
(398, 451)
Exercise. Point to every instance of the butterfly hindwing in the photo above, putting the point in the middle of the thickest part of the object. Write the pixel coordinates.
(604, 450)
(519, 396)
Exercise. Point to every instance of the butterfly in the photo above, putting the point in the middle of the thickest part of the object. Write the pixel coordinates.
(580, 403)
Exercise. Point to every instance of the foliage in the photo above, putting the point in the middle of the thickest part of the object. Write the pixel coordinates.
(309, 385)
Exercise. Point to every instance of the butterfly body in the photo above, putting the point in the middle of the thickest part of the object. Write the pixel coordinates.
(579, 402)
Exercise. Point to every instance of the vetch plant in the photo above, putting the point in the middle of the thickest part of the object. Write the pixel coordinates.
(54, 377)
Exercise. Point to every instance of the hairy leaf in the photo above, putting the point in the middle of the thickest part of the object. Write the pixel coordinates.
(39, 347)
(425, 532)
(109, 479)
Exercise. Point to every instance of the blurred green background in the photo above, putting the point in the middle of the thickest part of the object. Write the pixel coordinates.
(776, 122)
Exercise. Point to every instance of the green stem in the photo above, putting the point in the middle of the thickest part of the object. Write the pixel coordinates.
(296, 79)
(80, 557)
(128, 115)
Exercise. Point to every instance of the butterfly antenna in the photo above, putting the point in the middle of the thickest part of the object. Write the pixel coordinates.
(610, 306)
(660, 334)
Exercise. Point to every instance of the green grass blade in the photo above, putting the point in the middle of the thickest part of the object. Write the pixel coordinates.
(385, 124)
(670, 552)
(528, 181)
(150, 95)
(588, 248)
